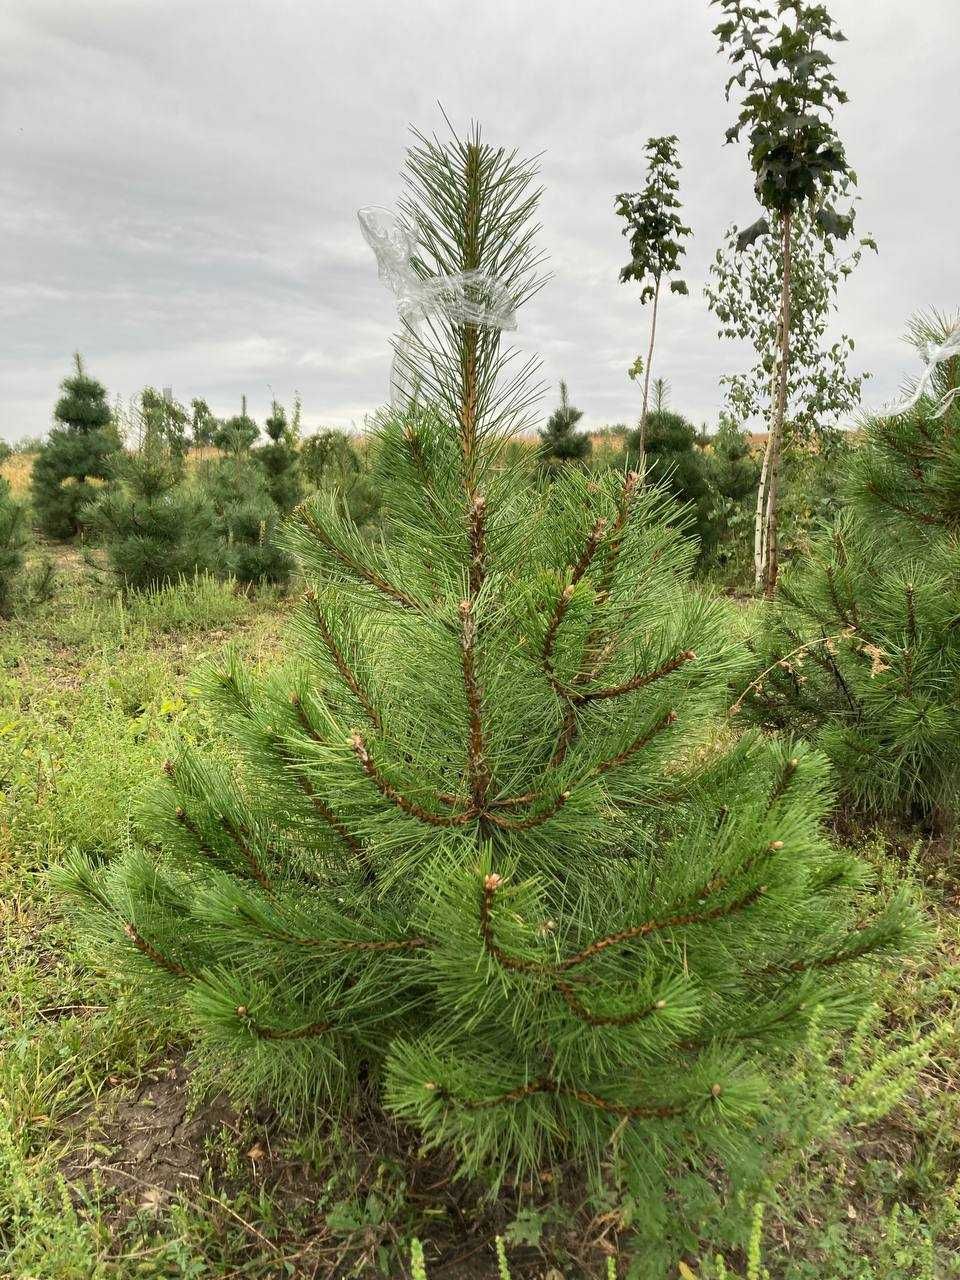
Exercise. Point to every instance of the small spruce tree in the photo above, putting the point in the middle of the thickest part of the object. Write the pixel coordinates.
(471, 855)
(77, 454)
(864, 653)
(560, 441)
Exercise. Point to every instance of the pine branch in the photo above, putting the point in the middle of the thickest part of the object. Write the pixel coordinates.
(477, 763)
(390, 792)
(491, 884)
(634, 683)
(150, 951)
(788, 773)
(249, 857)
(359, 570)
(348, 676)
(281, 1033)
(534, 820)
(478, 544)
(636, 745)
(653, 926)
(650, 1111)
(322, 808)
(593, 647)
(924, 517)
(566, 595)
(577, 1007)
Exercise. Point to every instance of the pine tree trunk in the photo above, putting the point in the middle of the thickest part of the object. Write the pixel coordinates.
(775, 442)
(646, 375)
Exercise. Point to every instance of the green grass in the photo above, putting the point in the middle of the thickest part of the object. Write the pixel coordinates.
(91, 687)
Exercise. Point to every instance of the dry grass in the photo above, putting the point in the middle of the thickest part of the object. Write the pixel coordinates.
(17, 470)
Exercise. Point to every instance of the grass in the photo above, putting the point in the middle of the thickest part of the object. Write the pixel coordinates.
(110, 1168)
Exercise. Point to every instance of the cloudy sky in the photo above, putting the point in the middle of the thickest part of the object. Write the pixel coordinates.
(180, 179)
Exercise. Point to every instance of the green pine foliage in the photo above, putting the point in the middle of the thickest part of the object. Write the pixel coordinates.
(474, 850)
(732, 472)
(864, 656)
(154, 528)
(13, 540)
(674, 462)
(560, 441)
(76, 455)
(247, 519)
(330, 460)
(279, 461)
(237, 434)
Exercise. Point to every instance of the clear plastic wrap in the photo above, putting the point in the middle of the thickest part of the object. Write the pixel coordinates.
(932, 354)
(461, 298)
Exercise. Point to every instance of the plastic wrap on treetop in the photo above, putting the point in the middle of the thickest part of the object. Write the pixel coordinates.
(460, 298)
(932, 354)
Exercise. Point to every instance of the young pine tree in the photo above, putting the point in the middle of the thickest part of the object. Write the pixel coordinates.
(279, 461)
(560, 441)
(154, 528)
(668, 450)
(238, 434)
(246, 517)
(472, 856)
(13, 539)
(864, 653)
(83, 448)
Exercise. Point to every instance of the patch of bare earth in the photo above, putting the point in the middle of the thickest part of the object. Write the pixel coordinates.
(138, 1149)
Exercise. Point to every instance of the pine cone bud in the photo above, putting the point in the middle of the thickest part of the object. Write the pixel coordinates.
(492, 882)
(774, 845)
(241, 1011)
(660, 1004)
(716, 1090)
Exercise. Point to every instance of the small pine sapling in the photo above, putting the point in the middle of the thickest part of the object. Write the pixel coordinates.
(76, 459)
(864, 653)
(470, 848)
(154, 528)
(13, 539)
(279, 460)
(560, 441)
(247, 520)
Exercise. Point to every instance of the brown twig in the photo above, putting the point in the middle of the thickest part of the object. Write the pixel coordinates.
(151, 952)
(390, 792)
(343, 667)
(635, 682)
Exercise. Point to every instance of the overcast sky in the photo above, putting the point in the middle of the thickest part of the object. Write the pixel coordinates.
(179, 183)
